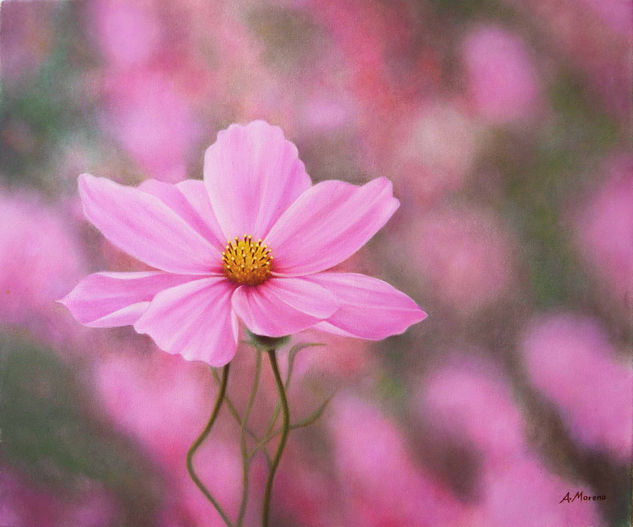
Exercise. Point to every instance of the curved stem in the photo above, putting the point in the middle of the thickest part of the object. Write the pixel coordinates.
(232, 408)
(284, 435)
(273, 419)
(243, 446)
(207, 429)
(307, 421)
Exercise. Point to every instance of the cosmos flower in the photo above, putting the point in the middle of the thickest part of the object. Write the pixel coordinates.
(252, 242)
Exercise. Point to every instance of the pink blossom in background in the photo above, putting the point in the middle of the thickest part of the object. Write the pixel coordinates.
(10, 513)
(506, 490)
(232, 68)
(163, 403)
(438, 150)
(373, 40)
(128, 34)
(322, 114)
(599, 51)
(304, 493)
(453, 102)
(148, 38)
(366, 33)
(341, 357)
(304, 489)
(255, 187)
(570, 359)
(464, 255)
(379, 480)
(152, 121)
(23, 503)
(502, 80)
(615, 13)
(28, 504)
(220, 467)
(471, 397)
(41, 258)
(604, 227)
(158, 399)
(95, 509)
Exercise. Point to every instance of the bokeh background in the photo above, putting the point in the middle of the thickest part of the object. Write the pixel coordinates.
(505, 128)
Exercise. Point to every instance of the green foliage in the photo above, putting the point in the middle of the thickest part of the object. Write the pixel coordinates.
(49, 434)
(39, 113)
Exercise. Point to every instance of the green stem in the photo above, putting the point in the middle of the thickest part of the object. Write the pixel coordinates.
(299, 424)
(273, 419)
(232, 408)
(284, 435)
(207, 429)
(243, 446)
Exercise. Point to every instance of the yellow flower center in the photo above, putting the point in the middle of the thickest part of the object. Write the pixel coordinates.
(247, 262)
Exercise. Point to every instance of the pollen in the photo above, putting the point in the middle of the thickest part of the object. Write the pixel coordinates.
(246, 261)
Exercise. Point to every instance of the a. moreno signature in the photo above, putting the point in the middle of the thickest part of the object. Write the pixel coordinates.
(580, 496)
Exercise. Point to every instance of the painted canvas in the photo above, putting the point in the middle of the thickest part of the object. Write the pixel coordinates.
(280, 263)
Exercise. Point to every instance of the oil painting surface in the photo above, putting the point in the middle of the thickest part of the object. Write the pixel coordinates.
(368, 163)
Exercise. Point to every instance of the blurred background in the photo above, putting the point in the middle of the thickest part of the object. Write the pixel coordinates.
(505, 128)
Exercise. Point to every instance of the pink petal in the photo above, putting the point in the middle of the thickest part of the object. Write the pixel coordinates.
(189, 199)
(253, 174)
(194, 320)
(144, 227)
(283, 306)
(196, 193)
(106, 300)
(328, 223)
(370, 308)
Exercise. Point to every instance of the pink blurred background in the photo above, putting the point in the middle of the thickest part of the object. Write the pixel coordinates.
(505, 128)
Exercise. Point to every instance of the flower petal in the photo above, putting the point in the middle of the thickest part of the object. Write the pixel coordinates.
(370, 308)
(188, 199)
(328, 223)
(194, 320)
(106, 300)
(283, 306)
(146, 228)
(252, 174)
(196, 193)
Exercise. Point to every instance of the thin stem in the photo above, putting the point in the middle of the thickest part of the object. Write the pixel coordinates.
(232, 409)
(273, 419)
(299, 424)
(207, 429)
(284, 435)
(243, 446)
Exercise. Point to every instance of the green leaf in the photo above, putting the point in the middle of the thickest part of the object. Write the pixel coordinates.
(314, 415)
(293, 353)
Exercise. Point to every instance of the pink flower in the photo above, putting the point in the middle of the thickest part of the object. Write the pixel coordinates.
(465, 254)
(439, 151)
(502, 80)
(604, 227)
(383, 486)
(570, 359)
(41, 259)
(256, 194)
(128, 34)
(155, 399)
(469, 397)
(505, 490)
(152, 120)
(471, 400)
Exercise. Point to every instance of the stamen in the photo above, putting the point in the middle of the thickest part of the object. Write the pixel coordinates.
(246, 261)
